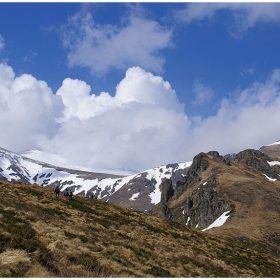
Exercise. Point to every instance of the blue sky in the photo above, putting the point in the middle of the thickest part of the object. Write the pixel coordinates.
(191, 77)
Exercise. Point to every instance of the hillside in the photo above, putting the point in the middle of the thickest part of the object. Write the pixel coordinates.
(42, 236)
(137, 191)
(246, 191)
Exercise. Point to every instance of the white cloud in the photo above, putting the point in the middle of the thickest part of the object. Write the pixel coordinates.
(142, 126)
(137, 128)
(203, 94)
(246, 15)
(28, 109)
(2, 44)
(30, 57)
(250, 120)
(102, 48)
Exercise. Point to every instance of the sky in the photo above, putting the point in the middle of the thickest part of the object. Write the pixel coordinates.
(133, 86)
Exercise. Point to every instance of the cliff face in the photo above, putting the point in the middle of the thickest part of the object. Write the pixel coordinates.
(247, 190)
(197, 207)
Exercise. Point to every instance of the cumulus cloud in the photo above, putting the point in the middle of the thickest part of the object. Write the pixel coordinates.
(137, 128)
(142, 126)
(102, 48)
(246, 15)
(28, 109)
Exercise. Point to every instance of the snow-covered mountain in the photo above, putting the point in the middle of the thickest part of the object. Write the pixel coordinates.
(57, 160)
(139, 191)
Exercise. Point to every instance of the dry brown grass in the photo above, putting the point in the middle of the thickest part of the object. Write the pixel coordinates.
(45, 237)
(254, 219)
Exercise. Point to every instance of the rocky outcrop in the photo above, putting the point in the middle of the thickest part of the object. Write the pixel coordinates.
(166, 191)
(257, 160)
(203, 204)
(199, 164)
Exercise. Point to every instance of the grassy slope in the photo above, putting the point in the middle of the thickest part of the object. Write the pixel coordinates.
(44, 237)
(255, 216)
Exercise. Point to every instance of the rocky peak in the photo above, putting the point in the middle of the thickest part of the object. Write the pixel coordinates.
(200, 162)
(257, 160)
(201, 204)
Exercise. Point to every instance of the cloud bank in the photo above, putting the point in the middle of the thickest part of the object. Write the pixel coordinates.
(142, 126)
(102, 48)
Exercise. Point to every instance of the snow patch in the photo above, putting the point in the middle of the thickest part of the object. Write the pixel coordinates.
(275, 143)
(160, 173)
(271, 163)
(219, 222)
(134, 196)
(270, 179)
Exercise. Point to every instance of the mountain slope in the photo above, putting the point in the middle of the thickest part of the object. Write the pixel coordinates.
(138, 191)
(41, 236)
(244, 194)
(56, 160)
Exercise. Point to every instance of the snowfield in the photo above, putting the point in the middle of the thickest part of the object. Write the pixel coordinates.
(57, 160)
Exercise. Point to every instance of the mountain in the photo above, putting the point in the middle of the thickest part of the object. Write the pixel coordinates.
(243, 196)
(57, 160)
(43, 237)
(212, 193)
(139, 191)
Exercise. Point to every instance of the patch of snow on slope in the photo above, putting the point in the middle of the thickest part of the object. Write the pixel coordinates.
(219, 222)
(184, 165)
(275, 143)
(7, 173)
(158, 174)
(270, 179)
(134, 196)
(271, 163)
(46, 176)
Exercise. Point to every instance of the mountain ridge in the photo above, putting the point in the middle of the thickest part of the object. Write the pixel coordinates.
(141, 190)
(152, 189)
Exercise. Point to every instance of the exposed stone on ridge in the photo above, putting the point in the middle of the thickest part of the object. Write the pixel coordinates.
(257, 160)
